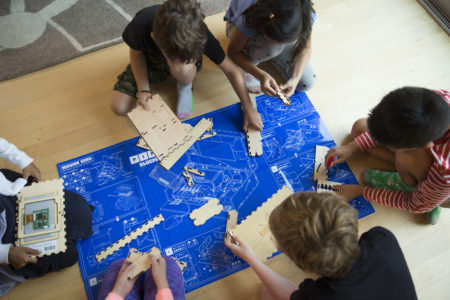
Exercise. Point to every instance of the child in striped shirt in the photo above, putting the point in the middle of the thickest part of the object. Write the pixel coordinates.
(410, 129)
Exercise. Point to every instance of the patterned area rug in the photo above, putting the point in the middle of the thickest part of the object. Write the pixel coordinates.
(36, 34)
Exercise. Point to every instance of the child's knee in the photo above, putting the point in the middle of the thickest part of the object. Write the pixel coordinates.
(119, 107)
(359, 127)
(306, 83)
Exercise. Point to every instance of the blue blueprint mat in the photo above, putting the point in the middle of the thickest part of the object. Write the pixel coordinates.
(128, 187)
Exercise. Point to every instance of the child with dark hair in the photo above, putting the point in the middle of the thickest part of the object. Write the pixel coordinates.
(319, 233)
(170, 39)
(279, 31)
(410, 129)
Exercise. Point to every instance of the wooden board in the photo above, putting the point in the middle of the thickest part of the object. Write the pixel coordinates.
(254, 230)
(129, 237)
(205, 212)
(285, 99)
(47, 240)
(231, 222)
(141, 260)
(174, 155)
(326, 186)
(254, 142)
(320, 170)
(160, 128)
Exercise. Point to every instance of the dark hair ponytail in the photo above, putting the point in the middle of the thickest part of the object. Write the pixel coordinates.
(282, 20)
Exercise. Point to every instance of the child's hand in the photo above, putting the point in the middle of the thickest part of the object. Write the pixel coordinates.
(252, 118)
(242, 250)
(19, 257)
(269, 86)
(159, 272)
(142, 98)
(124, 283)
(349, 191)
(31, 170)
(342, 153)
(288, 88)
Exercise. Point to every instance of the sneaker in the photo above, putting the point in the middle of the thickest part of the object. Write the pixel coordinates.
(253, 85)
(433, 216)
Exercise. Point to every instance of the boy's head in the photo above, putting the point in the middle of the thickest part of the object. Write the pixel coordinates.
(409, 117)
(318, 231)
(179, 30)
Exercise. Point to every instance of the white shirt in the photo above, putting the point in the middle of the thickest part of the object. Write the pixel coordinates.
(10, 152)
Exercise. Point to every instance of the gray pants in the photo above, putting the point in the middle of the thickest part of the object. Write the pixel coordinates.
(258, 50)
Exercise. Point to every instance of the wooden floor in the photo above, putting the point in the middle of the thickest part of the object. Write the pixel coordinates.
(361, 50)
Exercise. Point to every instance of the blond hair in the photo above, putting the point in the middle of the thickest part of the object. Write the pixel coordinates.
(318, 231)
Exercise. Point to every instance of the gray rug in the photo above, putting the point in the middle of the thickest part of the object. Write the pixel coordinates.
(35, 34)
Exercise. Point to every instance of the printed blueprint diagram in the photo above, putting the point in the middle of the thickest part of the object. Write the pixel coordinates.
(128, 187)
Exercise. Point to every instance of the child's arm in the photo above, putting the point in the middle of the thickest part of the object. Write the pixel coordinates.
(342, 153)
(299, 65)
(279, 287)
(251, 115)
(237, 43)
(139, 68)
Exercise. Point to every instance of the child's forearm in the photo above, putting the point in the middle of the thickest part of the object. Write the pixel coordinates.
(139, 68)
(300, 62)
(278, 286)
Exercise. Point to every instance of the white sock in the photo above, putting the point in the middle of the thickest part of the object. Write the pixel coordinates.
(185, 101)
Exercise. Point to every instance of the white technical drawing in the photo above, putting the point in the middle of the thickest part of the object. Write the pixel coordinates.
(125, 198)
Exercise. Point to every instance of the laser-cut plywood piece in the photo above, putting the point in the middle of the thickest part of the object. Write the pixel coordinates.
(231, 222)
(171, 158)
(141, 260)
(181, 264)
(160, 128)
(194, 171)
(205, 212)
(40, 217)
(254, 142)
(285, 99)
(320, 169)
(207, 135)
(326, 186)
(142, 144)
(129, 237)
(188, 178)
(254, 230)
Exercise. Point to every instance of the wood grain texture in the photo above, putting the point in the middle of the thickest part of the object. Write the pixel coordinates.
(362, 49)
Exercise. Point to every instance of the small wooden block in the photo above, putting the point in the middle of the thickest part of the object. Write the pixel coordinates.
(254, 142)
(194, 171)
(231, 222)
(205, 212)
(254, 230)
(285, 99)
(320, 169)
(188, 178)
(326, 186)
(207, 135)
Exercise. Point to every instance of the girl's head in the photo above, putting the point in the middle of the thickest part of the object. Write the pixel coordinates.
(281, 21)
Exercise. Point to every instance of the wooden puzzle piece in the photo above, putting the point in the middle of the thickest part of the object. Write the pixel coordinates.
(326, 186)
(285, 99)
(142, 144)
(320, 169)
(254, 142)
(141, 260)
(172, 157)
(231, 222)
(129, 237)
(205, 212)
(254, 230)
(160, 128)
(194, 171)
(188, 178)
(207, 135)
(40, 217)
(181, 264)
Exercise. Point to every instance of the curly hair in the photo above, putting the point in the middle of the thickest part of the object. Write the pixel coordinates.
(179, 30)
(317, 231)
